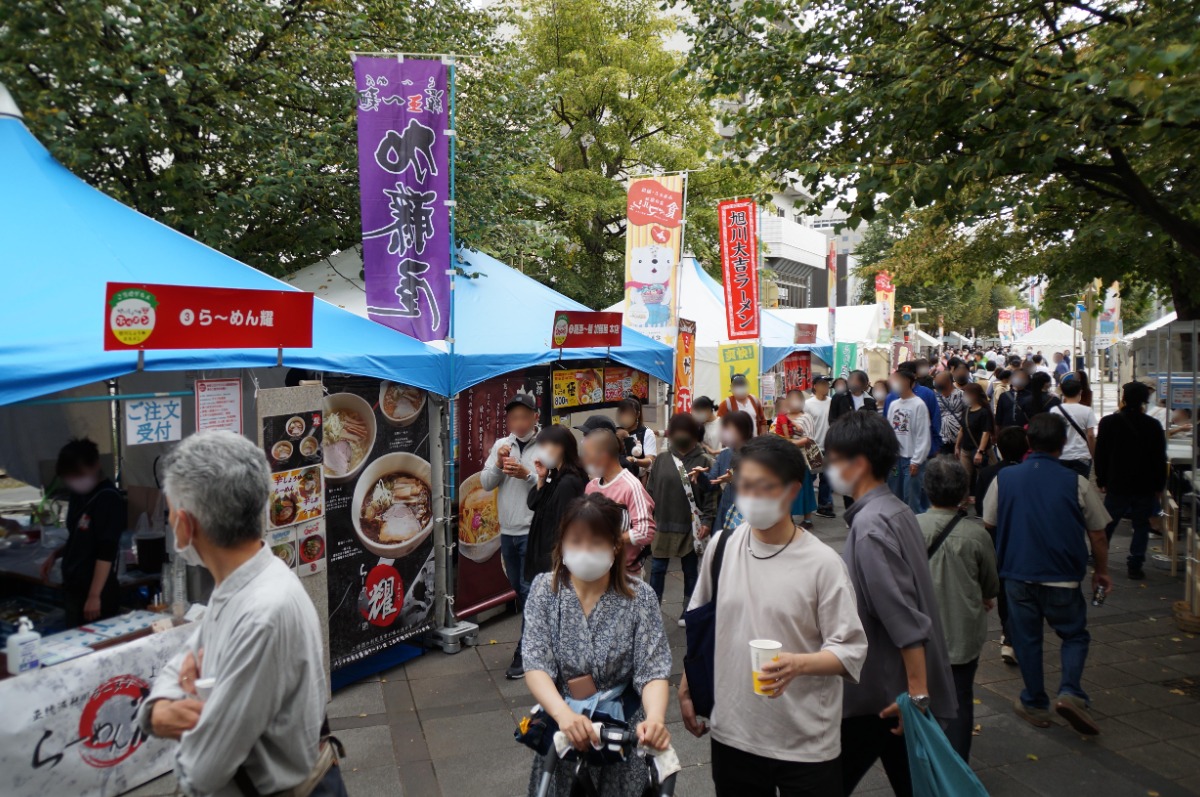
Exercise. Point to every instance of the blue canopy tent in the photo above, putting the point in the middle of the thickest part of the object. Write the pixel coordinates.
(64, 240)
(502, 323)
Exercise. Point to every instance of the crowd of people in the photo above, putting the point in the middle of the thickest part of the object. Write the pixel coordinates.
(967, 484)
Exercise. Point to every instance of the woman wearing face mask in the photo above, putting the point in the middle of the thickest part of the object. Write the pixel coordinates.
(797, 427)
(560, 479)
(96, 516)
(840, 386)
(683, 511)
(975, 434)
(1009, 407)
(640, 443)
(1038, 398)
(737, 428)
(879, 392)
(593, 633)
(777, 582)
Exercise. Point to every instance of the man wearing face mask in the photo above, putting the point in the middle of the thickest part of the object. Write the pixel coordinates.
(741, 399)
(906, 647)
(96, 516)
(853, 400)
(510, 471)
(258, 730)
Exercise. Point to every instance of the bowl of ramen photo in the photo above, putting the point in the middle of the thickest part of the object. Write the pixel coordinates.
(281, 451)
(312, 548)
(349, 436)
(401, 405)
(478, 521)
(309, 446)
(295, 426)
(286, 552)
(392, 507)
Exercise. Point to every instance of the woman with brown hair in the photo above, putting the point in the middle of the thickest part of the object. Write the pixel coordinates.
(594, 641)
(975, 433)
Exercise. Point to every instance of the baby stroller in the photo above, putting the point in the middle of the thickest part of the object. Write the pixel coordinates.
(615, 740)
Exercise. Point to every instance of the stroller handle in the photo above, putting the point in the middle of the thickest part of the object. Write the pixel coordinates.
(611, 736)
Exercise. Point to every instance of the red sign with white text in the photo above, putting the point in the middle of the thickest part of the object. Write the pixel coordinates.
(738, 219)
(583, 329)
(142, 316)
(806, 333)
(650, 202)
(797, 371)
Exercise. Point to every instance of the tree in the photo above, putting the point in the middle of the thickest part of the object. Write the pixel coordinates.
(615, 103)
(1046, 116)
(232, 122)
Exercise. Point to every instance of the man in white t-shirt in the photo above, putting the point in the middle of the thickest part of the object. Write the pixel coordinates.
(1081, 427)
(817, 408)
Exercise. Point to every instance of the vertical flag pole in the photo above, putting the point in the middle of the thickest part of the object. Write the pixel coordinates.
(758, 302)
(451, 452)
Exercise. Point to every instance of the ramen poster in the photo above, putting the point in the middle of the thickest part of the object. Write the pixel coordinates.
(379, 516)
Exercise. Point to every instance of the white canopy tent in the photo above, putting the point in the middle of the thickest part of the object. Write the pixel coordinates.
(1169, 318)
(1050, 336)
(855, 323)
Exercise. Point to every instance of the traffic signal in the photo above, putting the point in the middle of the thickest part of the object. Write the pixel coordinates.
(906, 313)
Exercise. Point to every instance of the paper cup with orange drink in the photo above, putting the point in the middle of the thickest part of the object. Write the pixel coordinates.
(761, 652)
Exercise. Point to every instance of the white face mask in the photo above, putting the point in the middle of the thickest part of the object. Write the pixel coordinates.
(82, 485)
(595, 471)
(760, 512)
(879, 395)
(525, 438)
(838, 481)
(587, 565)
(741, 391)
(839, 390)
(188, 553)
(548, 460)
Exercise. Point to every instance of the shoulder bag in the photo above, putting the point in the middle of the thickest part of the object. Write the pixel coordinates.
(941, 537)
(691, 498)
(699, 660)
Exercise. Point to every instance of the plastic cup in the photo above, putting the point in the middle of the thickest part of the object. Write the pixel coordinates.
(761, 652)
(204, 687)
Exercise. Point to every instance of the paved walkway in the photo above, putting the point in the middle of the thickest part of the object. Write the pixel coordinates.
(442, 725)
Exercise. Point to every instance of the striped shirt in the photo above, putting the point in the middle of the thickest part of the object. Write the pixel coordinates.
(627, 491)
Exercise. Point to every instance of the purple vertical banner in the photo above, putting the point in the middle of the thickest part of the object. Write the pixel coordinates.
(404, 179)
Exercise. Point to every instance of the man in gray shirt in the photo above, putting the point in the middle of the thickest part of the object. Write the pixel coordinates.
(906, 649)
(259, 639)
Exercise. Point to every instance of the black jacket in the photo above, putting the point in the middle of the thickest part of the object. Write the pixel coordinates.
(548, 505)
(843, 404)
(1131, 454)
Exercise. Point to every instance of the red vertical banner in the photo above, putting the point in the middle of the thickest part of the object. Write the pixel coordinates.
(797, 371)
(831, 268)
(685, 365)
(738, 219)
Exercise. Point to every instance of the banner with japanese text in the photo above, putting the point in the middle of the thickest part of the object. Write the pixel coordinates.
(797, 371)
(885, 298)
(738, 224)
(379, 515)
(831, 271)
(685, 366)
(404, 181)
(1004, 322)
(1109, 327)
(845, 359)
(738, 358)
(1021, 322)
(653, 237)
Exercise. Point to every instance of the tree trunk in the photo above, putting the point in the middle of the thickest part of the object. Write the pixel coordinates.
(1186, 306)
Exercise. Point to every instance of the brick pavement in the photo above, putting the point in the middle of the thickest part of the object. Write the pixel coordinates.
(442, 725)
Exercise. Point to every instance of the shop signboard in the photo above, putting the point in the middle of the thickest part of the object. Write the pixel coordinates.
(71, 728)
(583, 329)
(219, 405)
(141, 316)
(653, 236)
(404, 134)
(482, 582)
(379, 516)
(738, 358)
(685, 365)
(806, 333)
(797, 371)
(738, 228)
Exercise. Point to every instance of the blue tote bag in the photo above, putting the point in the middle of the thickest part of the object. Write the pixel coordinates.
(937, 771)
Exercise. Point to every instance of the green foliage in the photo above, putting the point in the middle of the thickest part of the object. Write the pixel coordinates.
(232, 122)
(1059, 137)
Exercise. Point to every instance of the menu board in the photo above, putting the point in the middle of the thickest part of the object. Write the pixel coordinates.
(379, 516)
(622, 383)
(219, 404)
(482, 582)
(578, 387)
(292, 443)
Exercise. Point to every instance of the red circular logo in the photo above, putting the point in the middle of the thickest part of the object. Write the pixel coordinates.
(383, 596)
(108, 723)
(659, 234)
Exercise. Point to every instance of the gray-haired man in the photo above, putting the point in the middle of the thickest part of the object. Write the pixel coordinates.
(259, 639)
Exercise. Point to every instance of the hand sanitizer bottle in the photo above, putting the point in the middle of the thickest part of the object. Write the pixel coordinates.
(23, 648)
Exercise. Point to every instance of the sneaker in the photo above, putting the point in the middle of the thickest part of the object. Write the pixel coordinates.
(1073, 709)
(806, 525)
(1037, 717)
(1008, 655)
(516, 670)
(826, 511)
(682, 623)
(1136, 573)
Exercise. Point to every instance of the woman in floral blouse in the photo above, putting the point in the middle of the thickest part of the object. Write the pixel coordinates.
(588, 617)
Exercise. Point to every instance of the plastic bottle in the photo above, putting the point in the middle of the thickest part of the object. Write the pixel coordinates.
(23, 648)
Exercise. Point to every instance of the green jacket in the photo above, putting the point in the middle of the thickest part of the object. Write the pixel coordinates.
(964, 576)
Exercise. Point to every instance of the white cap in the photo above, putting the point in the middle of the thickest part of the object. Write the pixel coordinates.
(8, 107)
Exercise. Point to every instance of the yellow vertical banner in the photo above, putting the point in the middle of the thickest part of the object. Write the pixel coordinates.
(653, 237)
(738, 358)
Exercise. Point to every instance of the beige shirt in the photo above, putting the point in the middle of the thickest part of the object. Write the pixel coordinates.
(803, 598)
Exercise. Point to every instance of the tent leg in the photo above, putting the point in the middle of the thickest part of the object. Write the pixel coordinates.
(450, 633)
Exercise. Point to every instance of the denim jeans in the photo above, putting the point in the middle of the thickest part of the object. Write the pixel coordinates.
(658, 575)
(907, 487)
(512, 553)
(1065, 609)
(960, 729)
(824, 492)
(1140, 507)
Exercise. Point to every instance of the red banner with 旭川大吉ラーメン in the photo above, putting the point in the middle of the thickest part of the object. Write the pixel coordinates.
(738, 221)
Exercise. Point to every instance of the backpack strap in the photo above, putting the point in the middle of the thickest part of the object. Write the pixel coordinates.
(717, 560)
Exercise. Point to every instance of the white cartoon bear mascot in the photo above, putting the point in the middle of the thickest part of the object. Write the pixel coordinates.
(650, 272)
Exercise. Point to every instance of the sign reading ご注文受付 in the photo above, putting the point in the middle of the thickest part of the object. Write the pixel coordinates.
(153, 420)
(404, 176)
(144, 316)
